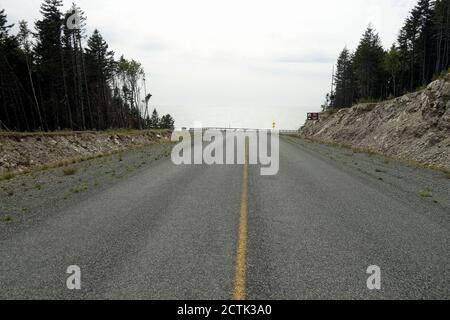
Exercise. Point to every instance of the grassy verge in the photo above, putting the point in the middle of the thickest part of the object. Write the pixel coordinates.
(67, 162)
(123, 132)
(6, 218)
(387, 158)
(59, 164)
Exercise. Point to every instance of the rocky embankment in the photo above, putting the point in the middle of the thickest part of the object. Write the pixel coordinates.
(23, 151)
(413, 127)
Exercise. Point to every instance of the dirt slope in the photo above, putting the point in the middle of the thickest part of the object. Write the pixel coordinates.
(414, 127)
(23, 151)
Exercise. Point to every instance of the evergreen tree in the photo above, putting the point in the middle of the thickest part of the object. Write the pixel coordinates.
(415, 45)
(48, 81)
(421, 52)
(441, 35)
(368, 66)
(425, 49)
(343, 78)
(100, 68)
(75, 74)
(100, 57)
(49, 56)
(23, 38)
(6, 40)
(154, 120)
(7, 44)
(14, 98)
(167, 122)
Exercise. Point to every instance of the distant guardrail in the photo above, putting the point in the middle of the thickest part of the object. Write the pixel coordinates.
(289, 132)
(283, 132)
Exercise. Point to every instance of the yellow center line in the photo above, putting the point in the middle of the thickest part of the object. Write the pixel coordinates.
(239, 281)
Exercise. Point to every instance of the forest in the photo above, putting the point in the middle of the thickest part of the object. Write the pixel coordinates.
(53, 77)
(420, 55)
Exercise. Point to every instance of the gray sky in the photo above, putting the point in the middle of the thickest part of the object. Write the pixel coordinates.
(240, 63)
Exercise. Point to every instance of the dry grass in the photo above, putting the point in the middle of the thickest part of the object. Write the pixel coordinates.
(446, 173)
(69, 171)
(79, 188)
(6, 218)
(427, 193)
(63, 163)
(63, 133)
(15, 134)
(8, 175)
(386, 158)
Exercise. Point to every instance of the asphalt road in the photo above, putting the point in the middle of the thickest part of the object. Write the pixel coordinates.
(218, 232)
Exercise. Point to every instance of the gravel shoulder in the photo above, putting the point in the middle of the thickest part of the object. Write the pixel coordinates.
(29, 199)
(426, 186)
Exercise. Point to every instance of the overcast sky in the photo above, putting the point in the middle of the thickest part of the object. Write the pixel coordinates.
(239, 63)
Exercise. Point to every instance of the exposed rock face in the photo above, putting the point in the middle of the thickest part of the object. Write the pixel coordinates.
(19, 152)
(412, 127)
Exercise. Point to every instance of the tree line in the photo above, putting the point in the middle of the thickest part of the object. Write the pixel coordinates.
(420, 54)
(55, 77)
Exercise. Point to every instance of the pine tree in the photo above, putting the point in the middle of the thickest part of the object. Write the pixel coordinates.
(154, 120)
(415, 43)
(425, 49)
(14, 98)
(343, 79)
(75, 69)
(368, 66)
(167, 122)
(441, 35)
(5, 39)
(23, 38)
(50, 65)
(100, 56)
(7, 45)
(48, 81)
(100, 68)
